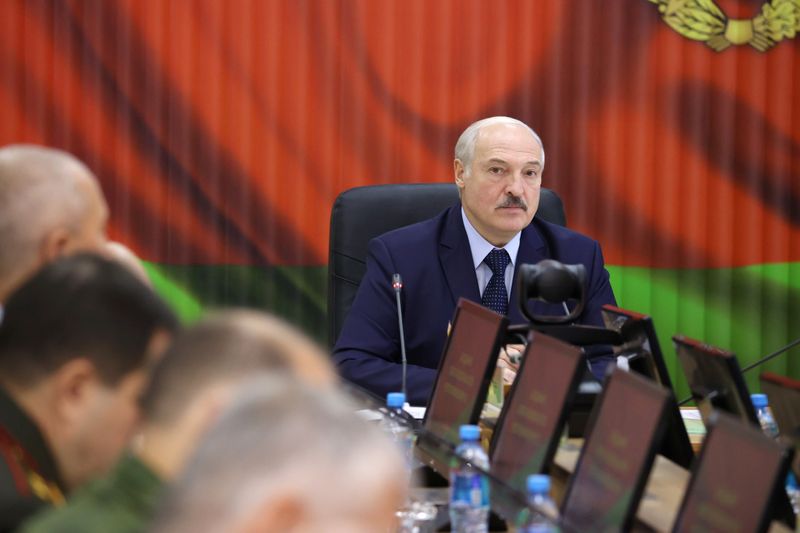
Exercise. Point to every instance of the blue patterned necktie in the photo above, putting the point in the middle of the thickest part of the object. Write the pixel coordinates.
(495, 295)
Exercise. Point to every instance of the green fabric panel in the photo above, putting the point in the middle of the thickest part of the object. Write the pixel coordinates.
(750, 310)
(180, 298)
(298, 294)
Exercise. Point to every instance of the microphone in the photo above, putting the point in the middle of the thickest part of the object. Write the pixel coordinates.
(776, 353)
(554, 282)
(397, 285)
(757, 364)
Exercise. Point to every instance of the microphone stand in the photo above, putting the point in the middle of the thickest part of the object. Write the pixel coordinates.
(758, 363)
(773, 355)
(397, 285)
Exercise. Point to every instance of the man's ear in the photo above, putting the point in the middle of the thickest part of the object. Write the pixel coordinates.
(54, 245)
(73, 385)
(459, 170)
(284, 513)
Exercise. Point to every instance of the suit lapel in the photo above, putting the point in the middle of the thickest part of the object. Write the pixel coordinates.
(456, 258)
(532, 249)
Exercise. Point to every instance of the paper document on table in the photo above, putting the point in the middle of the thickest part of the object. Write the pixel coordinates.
(369, 415)
(690, 413)
(416, 412)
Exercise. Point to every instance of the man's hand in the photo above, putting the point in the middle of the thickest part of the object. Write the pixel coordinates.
(510, 357)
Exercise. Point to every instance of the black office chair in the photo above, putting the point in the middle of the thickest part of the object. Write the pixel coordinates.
(362, 213)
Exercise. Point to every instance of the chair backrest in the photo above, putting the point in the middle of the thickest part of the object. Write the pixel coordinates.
(362, 213)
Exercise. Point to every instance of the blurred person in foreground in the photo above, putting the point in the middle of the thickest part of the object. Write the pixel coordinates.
(51, 205)
(288, 458)
(189, 386)
(125, 256)
(76, 346)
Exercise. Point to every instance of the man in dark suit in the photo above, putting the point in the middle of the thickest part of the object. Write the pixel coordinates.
(472, 250)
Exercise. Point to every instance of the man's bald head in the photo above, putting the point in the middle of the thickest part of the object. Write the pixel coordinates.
(50, 205)
(125, 256)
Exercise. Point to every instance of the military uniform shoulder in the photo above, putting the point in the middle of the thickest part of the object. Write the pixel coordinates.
(123, 501)
(23, 491)
(79, 515)
(28, 476)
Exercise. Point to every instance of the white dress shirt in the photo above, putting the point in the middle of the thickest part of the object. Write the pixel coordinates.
(480, 248)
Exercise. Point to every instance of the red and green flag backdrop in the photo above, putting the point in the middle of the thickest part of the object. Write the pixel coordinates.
(222, 131)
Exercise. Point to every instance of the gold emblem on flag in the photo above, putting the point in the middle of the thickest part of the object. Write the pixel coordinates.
(703, 20)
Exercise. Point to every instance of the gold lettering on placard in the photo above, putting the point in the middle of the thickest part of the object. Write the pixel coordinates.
(532, 415)
(459, 378)
(718, 519)
(454, 391)
(726, 497)
(466, 359)
(462, 376)
(537, 397)
(612, 458)
(613, 485)
(525, 432)
(618, 440)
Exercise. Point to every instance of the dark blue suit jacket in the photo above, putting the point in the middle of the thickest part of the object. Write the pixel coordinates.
(435, 261)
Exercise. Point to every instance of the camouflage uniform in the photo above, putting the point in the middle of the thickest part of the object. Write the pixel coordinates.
(123, 501)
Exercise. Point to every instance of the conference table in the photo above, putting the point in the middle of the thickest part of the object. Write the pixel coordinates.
(657, 510)
(662, 496)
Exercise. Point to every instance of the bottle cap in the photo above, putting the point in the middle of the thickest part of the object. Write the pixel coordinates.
(759, 400)
(470, 433)
(538, 484)
(395, 400)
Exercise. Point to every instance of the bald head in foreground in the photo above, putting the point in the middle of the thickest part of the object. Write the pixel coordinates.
(50, 205)
(120, 253)
(288, 458)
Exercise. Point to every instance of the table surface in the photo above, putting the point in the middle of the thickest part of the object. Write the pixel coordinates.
(662, 495)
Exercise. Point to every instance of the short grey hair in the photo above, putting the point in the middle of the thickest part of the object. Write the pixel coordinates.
(279, 436)
(225, 347)
(465, 146)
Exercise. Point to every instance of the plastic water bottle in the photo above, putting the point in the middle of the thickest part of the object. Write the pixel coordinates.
(469, 488)
(395, 426)
(539, 498)
(768, 425)
(793, 491)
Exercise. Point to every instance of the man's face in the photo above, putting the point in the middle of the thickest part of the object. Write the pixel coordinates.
(501, 193)
(106, 424)
(106, 418)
